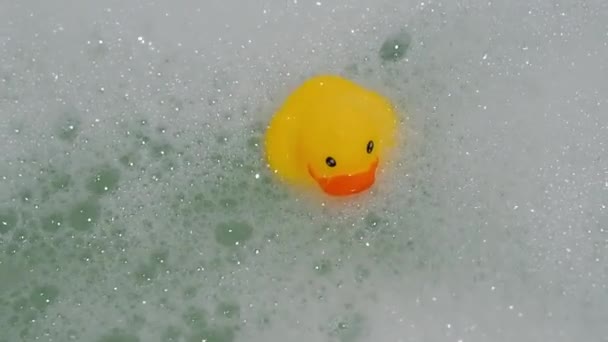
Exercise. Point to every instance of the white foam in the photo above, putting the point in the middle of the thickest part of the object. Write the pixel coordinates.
(489, 222)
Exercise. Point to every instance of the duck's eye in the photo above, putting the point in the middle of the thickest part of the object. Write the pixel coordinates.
(370, 146)
(331, 162)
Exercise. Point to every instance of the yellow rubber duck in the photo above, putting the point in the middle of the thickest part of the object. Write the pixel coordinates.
(330, 132)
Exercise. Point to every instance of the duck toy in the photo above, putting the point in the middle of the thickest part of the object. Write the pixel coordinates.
(332, 134)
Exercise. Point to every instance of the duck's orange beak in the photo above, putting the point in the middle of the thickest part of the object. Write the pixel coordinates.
(344, 185)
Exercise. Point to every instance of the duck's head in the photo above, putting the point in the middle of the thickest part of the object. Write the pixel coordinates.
(343, 145)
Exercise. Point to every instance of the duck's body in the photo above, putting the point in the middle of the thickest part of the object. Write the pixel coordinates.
(330, 132)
